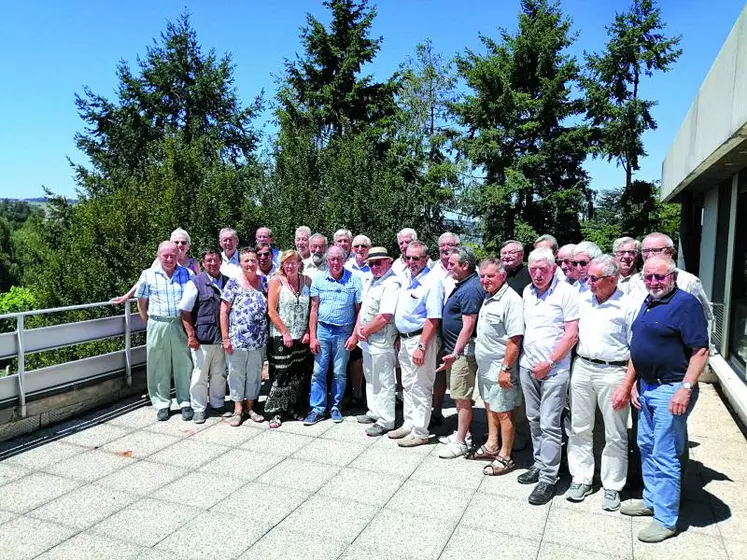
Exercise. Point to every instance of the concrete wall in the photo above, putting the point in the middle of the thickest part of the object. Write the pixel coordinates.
(708, 238)
(717, 119)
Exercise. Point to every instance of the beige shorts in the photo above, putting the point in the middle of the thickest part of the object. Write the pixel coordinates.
(462, 377)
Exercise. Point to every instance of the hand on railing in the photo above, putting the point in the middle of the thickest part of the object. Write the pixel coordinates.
(119, 300)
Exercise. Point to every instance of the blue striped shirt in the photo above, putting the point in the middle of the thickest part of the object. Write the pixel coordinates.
(163, 293)
(337, 298)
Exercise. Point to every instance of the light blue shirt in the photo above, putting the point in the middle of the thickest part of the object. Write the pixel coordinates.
(163, 293)
(233, 260)
(337, 298)
(419, 299)
(363, 272)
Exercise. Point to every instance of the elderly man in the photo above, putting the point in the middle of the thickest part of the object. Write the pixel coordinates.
(660, 244)
(316, 263)
(159, 291)
(200, 309)
(419, 309)
(358, 259)
(356, 263)
(583, 253)
(551, 331)
(517, 275)
(566, 271)
(335, 302)
(302, 241)
(404, 238)
(547, 241)
(344, 238)
(500, 329)
(377, 333)
(626, 251)
(446, 242)
(457, 333)
(668, 351)
(228, 239)
(262, 236)
(266, 266)
(605, 319)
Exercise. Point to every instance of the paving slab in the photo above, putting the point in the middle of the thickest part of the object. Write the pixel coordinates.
(272, 503)
(30, 492)
(199, 489)
(23, 538)
(84, 506)
(84, 546)
(282, 544)
(90, 465)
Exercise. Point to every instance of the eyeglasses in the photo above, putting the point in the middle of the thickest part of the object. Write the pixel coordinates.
(595, 279)
(359, 246)
(410, 258)
(579, 263)
(263, 255)
(510, 253)
(180, 243)
(291, 263)
(375, 263)
(655, 250)
(632, 253)
(657, 277)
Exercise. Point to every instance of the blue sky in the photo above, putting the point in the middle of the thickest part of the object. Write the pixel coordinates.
(52, 49)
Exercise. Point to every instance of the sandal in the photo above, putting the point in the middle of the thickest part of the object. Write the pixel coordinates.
(254, 417)
(482, 454)
(235, 420)
(276, 422)
(498, 467)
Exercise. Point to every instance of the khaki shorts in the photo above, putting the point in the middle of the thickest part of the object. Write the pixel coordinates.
(462, 377)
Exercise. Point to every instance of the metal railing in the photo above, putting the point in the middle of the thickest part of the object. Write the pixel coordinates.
(17, 387)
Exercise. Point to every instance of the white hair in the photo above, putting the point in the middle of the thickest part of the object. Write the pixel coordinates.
(671, 266)
(542, 254)
(444, 235)
(608, 263)
(303, 229)
(269, 231)
(659, 235)
(180, 231)
(362, 240)
(343, 233)
(617, 243)
(335, 249)
(318, 236)
(229, 231)
(588, 248)
(408, 231)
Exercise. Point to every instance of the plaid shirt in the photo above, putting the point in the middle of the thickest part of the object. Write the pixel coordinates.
(163, 293)
(337, 299)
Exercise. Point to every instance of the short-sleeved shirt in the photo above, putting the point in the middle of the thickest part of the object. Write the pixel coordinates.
(420, 298)
(337, 298)
(363, 271)
(187, 303)
(665, 334)
(163, 293)
(447, 280)
(685, 281)
(247, 320)
(519, 278)
(545, 317)
(465, 299)
(501, 317)
(604, 328)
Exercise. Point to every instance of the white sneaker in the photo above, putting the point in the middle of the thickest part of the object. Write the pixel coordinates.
(452, 437)
(452, 450)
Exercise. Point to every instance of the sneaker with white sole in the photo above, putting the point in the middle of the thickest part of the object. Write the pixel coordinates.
(453, 449)
(611, 500)
(577, 492)
(655, 532)
(452, 437)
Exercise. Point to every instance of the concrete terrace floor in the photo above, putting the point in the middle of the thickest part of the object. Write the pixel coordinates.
(118, 484)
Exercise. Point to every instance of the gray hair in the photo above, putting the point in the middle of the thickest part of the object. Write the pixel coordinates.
(513, 242)
(446, 234)
(465, 255)
(269, 231)
(664, 236)
(671, 266)
(550, 238)
(343, 233)
(419, 244)
(303, 229)
(408, 231)
(318, 236)
(569, 246)
(494, 262)
(335, 249)
(229, 231)
(363, 240)
(617, 243)
(163, 244)
(591, 249)
(608, 263)
(180, 231)
(542, 254)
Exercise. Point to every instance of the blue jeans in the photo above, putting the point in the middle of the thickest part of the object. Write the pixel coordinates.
(662, 438)
(331, 347)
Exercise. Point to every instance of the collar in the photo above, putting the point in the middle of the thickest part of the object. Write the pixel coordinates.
(159, 269)
(651, 302)
(550, 289)
(346, 275)
(515, 271)
(419, 278)
(464, 281)
(499, 294)
(616, 295)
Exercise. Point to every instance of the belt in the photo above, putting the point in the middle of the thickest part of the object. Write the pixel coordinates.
(411, 334)
(164, 319)
(618, 363)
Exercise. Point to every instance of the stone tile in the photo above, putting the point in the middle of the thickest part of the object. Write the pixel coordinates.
(44, 455)
(362, 486)
(352, 518)
(295, 427)
(140, 444)
(141, 478)
(504, 485)
(200, 490)
(152, 554)
(6, 516)
(135, 419)
(734, 527)
(726, 470)
(24, 538)
(188, 454)
(348, 431)
(277, 443)
(524, 520)
(698, 517)
(146, 522)
(91, 547)
(281, 544)
(422, 499)
(329, 451)
(215, 535)
(450, 473)
(175, 426)
(84, 506)
(420, 537)
(388, 461)
(9, 473)
(223, 434)
(480, 544)
(684, 546)
(553, 551)
(31, 491)
(735, 549)
(301, 475)
(90, 466)
(595, 533)
(729, 494)
(241, 463)
(274, 502)
(96, 436)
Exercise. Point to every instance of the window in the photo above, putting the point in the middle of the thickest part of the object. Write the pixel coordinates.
(738, 318)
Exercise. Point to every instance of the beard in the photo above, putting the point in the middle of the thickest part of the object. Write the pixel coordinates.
(317, 258)
(659, 293)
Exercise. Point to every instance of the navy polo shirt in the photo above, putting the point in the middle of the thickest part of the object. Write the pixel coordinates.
(665, 334)
(465, 299)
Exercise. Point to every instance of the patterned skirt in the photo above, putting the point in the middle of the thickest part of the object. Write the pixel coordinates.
(290, 375)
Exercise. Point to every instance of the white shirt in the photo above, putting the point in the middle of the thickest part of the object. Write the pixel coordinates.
(685, 281)
(604, 328)
(310, 269)
(545, 317)
(501, 317)
(380, 296)
(623, 283)
(446, 278)
(230, 269)
(419, 299)
(189, 297)
(400, 267)
(363, 272)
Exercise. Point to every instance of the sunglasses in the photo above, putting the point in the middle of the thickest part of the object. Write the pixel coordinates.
(657, 277)
(263, 254)
(579, 263)
(413, 258)
(595, 279)
(564, 261)
(375, 263)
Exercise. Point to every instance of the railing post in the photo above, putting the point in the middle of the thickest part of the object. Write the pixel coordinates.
(128, 343)
(21, 365)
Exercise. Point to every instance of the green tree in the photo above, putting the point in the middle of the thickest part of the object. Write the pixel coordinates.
(519, 130)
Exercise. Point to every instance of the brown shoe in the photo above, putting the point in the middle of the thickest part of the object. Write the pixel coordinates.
(412, 441)
(399, 433)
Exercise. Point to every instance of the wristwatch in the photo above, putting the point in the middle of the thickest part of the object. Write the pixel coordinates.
(687, 386)
(421, 346)
(504, 367)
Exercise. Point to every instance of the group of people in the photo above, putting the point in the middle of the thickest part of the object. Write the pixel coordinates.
(546, 342)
